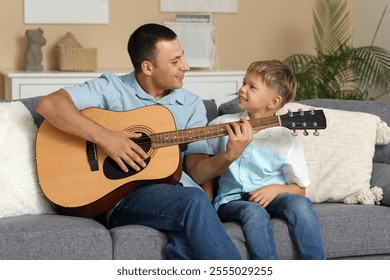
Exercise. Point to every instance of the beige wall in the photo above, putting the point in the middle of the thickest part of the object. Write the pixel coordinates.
(262, 29)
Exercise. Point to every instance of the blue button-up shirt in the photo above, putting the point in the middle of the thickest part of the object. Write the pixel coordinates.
(123, 93)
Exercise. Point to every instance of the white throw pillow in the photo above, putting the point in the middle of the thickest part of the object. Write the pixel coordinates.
(340, 159)
(20, 193)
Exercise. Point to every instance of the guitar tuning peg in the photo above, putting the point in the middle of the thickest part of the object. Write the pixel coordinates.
(311, 111)
(290, 113)
(316, 133)
(295, 133)
(305, 133)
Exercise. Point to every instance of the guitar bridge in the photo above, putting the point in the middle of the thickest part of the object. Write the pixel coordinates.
(92, 156)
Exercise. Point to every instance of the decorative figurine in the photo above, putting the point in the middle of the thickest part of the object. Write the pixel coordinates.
(33, 54)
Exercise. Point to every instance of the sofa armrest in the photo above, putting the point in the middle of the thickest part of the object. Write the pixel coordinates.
(381, 178)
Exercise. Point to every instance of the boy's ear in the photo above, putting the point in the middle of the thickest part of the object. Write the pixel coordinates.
(275, 102)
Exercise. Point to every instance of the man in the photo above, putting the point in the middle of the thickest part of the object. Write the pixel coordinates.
(183, 212)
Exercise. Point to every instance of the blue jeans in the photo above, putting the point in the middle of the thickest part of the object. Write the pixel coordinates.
(185, 214)
(297, 210)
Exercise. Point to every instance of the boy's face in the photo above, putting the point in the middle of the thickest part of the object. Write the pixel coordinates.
(256, 98)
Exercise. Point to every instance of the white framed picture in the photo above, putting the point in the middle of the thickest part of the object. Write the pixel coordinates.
(199, 6)
(66, 12)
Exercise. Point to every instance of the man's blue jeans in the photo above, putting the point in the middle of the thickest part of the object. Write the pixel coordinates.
(301, 219)
(185, 214)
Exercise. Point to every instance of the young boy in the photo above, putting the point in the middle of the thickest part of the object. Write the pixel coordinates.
(269, 179)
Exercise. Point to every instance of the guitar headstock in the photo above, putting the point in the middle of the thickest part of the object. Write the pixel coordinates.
(304, 120)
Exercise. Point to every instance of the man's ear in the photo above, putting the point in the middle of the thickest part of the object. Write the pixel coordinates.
(275, 102)
(147, 67)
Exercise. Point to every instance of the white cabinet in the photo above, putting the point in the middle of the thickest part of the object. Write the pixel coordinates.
(218, 85)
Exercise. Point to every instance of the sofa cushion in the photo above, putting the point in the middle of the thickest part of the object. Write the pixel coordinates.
(378, 108)
(20, 192)
(354, 230)
(136, 242)
(349, 232)
(381, 177)
(340, 159)
(53, 237)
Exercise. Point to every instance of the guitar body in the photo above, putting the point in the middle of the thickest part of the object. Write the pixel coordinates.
(81, 180)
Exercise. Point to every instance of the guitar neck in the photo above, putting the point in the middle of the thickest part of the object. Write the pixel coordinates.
(207, 132)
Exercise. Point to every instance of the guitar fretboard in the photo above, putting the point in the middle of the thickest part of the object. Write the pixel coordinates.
(184, 136)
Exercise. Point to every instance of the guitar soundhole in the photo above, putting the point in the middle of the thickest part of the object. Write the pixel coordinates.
(112, 170)
(144, 142)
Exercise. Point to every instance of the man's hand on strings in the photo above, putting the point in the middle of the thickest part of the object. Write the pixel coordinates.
(122, 149)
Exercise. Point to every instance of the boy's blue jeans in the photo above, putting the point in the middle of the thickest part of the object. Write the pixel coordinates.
(301, 219)
(185, 214)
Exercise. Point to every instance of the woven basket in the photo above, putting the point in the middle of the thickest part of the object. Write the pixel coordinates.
(77, 59)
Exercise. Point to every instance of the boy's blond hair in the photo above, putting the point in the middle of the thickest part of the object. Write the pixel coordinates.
(277, 76)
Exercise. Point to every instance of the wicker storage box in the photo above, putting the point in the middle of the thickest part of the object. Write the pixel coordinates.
(73, 57)
(77, 59)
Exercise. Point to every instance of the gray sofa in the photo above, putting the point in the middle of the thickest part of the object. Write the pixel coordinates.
(350, 231)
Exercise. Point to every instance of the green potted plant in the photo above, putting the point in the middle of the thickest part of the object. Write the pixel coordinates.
(339, 71)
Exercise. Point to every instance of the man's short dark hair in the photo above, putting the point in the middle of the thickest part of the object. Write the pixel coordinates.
(142, 43)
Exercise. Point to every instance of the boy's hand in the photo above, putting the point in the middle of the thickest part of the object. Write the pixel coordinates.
(240, 136)
(265, 195)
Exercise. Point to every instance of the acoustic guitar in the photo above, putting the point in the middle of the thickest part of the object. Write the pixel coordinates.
(79, 179)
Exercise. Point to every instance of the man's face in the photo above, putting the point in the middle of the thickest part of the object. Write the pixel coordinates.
(169, 66)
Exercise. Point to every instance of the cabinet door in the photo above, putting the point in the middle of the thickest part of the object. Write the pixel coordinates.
(221, 88)
(219, 91)
(32, 87)
(26, 91)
